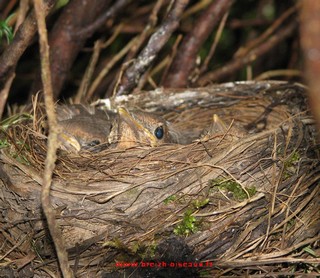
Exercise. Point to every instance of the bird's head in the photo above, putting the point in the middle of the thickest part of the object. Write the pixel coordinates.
(139, 128)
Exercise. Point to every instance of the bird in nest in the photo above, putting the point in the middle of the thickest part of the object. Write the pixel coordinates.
(85, 127)
(219, 129)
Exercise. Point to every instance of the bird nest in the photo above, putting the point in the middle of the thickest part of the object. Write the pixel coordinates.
(242, 201)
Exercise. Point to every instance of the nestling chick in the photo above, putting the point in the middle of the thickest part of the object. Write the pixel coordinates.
(84, 127)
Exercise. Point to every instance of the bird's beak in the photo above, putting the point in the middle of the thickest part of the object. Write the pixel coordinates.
(136, 126)
(69, 142)
(218, 125)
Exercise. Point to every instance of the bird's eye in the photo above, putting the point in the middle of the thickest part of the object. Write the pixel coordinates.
(159, 132)
(94, 142)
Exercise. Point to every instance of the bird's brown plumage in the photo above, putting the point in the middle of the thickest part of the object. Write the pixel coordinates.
(83, 127)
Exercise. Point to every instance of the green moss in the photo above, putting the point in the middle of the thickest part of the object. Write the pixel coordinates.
(198, 204)
(16, 153)
(291, 223)
(22, 159)
(134, 249)
(293, 158)
(235, 188)
(19, 155)
(170, 199)
(205, 273)
(4, 143)
(188, 225)
(290, 165)
(4, 125)
(142, 251)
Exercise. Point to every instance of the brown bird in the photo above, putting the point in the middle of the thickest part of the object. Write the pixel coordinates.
(84, 127)
(218, 127)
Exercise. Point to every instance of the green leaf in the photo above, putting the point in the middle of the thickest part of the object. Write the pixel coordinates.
(6, 30)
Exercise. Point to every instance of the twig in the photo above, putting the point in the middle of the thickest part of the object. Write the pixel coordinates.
(153, 18)
(170, 58)
(8, 8)
(275, 25)
(23, 9)
(5, 92)
(218, 35)
(185, 60)
(251, 56)
(83, 89)
(148, 54)
(52, 142)
(280, 72)
(141, 39)
(107, 68)
(197, 7)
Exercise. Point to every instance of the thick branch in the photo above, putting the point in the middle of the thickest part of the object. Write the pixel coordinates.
(184, 62)
(90, 29)
(22, 39)
(310, 41)
(64, 47)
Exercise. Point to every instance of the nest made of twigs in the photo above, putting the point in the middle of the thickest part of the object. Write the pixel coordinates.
(240, 199)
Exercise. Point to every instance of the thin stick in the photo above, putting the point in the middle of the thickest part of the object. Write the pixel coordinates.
(83, 89)
(48, 210)
(5, 92)
(215, 42)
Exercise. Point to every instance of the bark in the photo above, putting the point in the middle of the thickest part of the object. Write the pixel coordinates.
(64, 45)
(310, 40)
